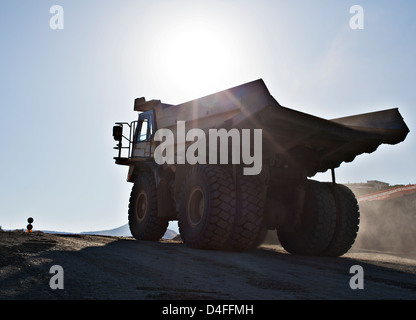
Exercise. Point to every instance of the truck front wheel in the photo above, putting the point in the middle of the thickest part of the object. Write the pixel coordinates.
(144, 222)
(206, 207)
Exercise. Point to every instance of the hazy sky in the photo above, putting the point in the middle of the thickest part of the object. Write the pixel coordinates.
(62, 89)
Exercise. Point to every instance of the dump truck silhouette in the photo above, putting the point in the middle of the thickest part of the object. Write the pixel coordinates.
(219, 203)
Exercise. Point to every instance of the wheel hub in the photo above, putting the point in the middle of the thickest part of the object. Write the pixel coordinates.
(141, 205)
(195, 206)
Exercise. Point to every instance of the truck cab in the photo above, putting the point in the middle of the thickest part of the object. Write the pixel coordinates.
(143, 146)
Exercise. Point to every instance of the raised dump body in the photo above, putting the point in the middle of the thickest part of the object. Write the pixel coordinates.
(286, 132)
(294, 146)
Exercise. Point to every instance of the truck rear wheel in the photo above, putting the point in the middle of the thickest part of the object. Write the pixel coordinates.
(144, 222)
(248, 230)
(206, 207)
(348, 219)
(316, 229)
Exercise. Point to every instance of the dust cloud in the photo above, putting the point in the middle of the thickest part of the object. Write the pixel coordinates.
(388, 225)
(385, 225)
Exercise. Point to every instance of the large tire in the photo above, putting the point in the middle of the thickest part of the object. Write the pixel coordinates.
(248, 230)
(316, 228)
(206, 207)
(144, 222)
(347, 223)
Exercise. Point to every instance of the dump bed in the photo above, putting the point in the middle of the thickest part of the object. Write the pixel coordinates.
(285, 131)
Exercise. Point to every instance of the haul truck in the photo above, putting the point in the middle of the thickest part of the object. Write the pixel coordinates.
(220, 207)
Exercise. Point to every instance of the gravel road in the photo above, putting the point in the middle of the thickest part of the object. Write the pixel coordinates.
(99, 267)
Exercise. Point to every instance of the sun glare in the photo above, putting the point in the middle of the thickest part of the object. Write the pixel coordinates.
(195, 57)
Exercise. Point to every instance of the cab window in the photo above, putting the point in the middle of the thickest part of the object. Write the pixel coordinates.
(143, 134)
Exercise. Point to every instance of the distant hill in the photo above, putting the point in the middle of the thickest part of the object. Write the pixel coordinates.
(124, 231)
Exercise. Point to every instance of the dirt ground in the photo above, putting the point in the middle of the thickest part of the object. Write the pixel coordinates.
(100, 267)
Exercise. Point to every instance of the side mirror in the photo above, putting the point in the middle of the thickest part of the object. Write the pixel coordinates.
(117, 133)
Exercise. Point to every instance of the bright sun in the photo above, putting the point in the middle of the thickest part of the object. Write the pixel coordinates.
(196, 56)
